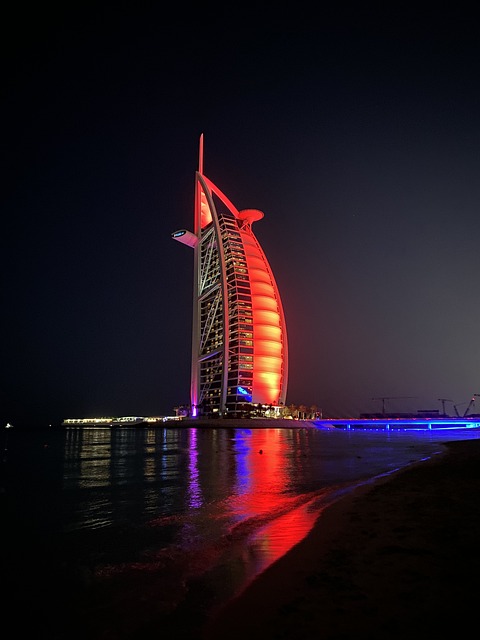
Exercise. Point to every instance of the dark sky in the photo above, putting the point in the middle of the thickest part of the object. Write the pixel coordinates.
(356, 133)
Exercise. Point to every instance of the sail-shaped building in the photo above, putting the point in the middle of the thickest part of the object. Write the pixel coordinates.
(239, 341)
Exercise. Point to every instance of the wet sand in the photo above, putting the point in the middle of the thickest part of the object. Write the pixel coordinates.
(395, 559)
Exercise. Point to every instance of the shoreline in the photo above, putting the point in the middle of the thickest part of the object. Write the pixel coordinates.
(390, 559)
(421, 424)
(244, 423)
(210, 423)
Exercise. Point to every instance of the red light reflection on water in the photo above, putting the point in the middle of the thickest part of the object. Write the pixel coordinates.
(261, 498)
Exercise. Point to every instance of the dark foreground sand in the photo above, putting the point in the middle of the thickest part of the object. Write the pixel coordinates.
(398, 559)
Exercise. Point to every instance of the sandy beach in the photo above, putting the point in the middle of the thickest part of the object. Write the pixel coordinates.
(396, 559)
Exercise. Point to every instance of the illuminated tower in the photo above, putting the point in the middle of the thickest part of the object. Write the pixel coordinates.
(239, 341)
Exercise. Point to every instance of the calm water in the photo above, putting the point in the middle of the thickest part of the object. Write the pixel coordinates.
(138, 527)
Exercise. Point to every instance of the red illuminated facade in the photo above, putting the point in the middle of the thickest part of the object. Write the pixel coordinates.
(239, 341)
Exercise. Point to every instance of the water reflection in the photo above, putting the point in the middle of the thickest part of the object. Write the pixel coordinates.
(261, 498)
(172, 509)
(220, 502)
(234, 475)
(194, 491)
(220, 482)
(233, 498)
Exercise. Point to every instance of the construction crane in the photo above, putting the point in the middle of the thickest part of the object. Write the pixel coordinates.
(384, 398)
(443, 400)
(456, 410)
(472, 401)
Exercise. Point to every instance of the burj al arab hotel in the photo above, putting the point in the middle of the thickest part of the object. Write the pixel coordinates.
(239, 337)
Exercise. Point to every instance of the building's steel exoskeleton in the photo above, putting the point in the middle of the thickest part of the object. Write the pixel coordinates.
(239, 341)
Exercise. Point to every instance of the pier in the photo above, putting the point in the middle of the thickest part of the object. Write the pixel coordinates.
(390, 423)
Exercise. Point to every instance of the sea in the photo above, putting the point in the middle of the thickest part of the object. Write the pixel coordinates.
(121, 533)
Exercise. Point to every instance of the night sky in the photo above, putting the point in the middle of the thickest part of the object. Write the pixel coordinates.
(358, 136)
